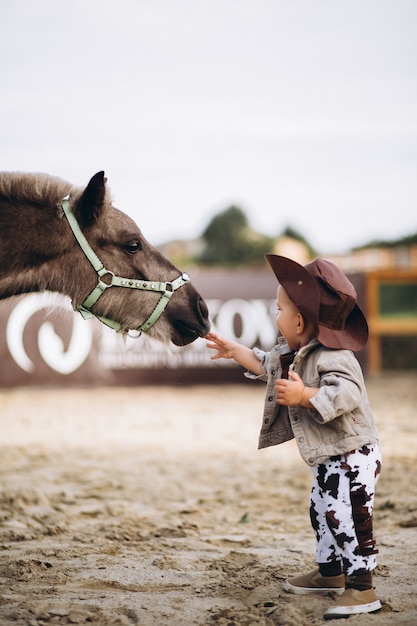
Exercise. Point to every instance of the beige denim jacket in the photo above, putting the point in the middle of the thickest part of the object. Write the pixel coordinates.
(341, 419)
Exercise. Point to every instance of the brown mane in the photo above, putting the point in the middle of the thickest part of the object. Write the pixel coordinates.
(35, 189)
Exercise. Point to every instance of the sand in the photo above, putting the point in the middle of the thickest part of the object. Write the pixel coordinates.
(152, 506)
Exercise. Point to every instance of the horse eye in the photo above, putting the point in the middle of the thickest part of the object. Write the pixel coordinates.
(133, 247)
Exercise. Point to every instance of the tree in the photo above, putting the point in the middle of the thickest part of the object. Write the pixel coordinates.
(294, 234)
(229, 240)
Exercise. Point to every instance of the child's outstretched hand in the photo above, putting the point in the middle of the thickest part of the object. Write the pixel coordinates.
(228, 349)
(225, 348)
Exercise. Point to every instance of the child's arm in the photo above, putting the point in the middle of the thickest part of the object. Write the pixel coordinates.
(227, 349)
(293, 392)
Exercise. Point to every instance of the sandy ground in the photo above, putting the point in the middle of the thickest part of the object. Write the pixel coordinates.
(152, 506)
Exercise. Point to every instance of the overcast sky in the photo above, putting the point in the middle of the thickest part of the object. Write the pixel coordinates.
(301, 112)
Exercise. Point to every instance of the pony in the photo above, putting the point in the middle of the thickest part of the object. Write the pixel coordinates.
(55, 236)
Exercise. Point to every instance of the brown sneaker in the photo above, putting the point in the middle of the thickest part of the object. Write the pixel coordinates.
(315, 583)
(352, 602)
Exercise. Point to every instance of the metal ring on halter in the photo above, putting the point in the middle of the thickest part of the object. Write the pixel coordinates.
(106, 273)
(133, 333)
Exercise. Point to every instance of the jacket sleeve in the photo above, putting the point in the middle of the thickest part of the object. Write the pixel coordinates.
(263, 357)
(341, 387)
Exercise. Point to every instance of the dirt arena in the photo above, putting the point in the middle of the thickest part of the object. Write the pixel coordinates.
(153, 507)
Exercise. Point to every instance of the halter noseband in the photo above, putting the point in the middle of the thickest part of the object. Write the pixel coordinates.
(165, 288)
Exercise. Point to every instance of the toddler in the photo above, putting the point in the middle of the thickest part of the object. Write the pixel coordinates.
(316, 394)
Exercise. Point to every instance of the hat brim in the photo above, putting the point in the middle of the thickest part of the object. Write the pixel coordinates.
(354, 335)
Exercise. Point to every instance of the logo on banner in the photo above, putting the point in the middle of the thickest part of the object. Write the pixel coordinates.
(63, 340)
(52, 349)
(247, 321)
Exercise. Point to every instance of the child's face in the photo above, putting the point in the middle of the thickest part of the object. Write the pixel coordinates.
(288, 319)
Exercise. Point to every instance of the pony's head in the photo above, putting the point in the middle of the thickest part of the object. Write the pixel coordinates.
(133, 286)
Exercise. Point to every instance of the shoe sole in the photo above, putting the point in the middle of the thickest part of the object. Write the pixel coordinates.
(347, 611)
(306, 591)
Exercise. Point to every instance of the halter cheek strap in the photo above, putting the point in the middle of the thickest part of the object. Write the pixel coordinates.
(165, 288)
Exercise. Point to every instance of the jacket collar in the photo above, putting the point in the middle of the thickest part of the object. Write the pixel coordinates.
(305, 350)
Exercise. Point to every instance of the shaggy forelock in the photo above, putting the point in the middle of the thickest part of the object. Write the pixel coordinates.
(36, 189)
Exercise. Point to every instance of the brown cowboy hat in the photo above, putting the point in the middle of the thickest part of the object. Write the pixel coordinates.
(326, 298)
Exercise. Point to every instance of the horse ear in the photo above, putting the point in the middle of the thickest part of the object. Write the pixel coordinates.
(90, 205)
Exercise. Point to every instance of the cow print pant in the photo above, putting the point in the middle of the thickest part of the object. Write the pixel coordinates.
(342, 499)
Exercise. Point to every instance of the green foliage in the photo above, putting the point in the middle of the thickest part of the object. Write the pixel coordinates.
(294, 234)
(229, 240)
(391, 243)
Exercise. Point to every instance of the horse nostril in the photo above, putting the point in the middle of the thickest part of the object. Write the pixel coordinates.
(203, 309)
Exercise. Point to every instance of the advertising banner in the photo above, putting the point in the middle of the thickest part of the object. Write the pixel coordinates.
(44, 342)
